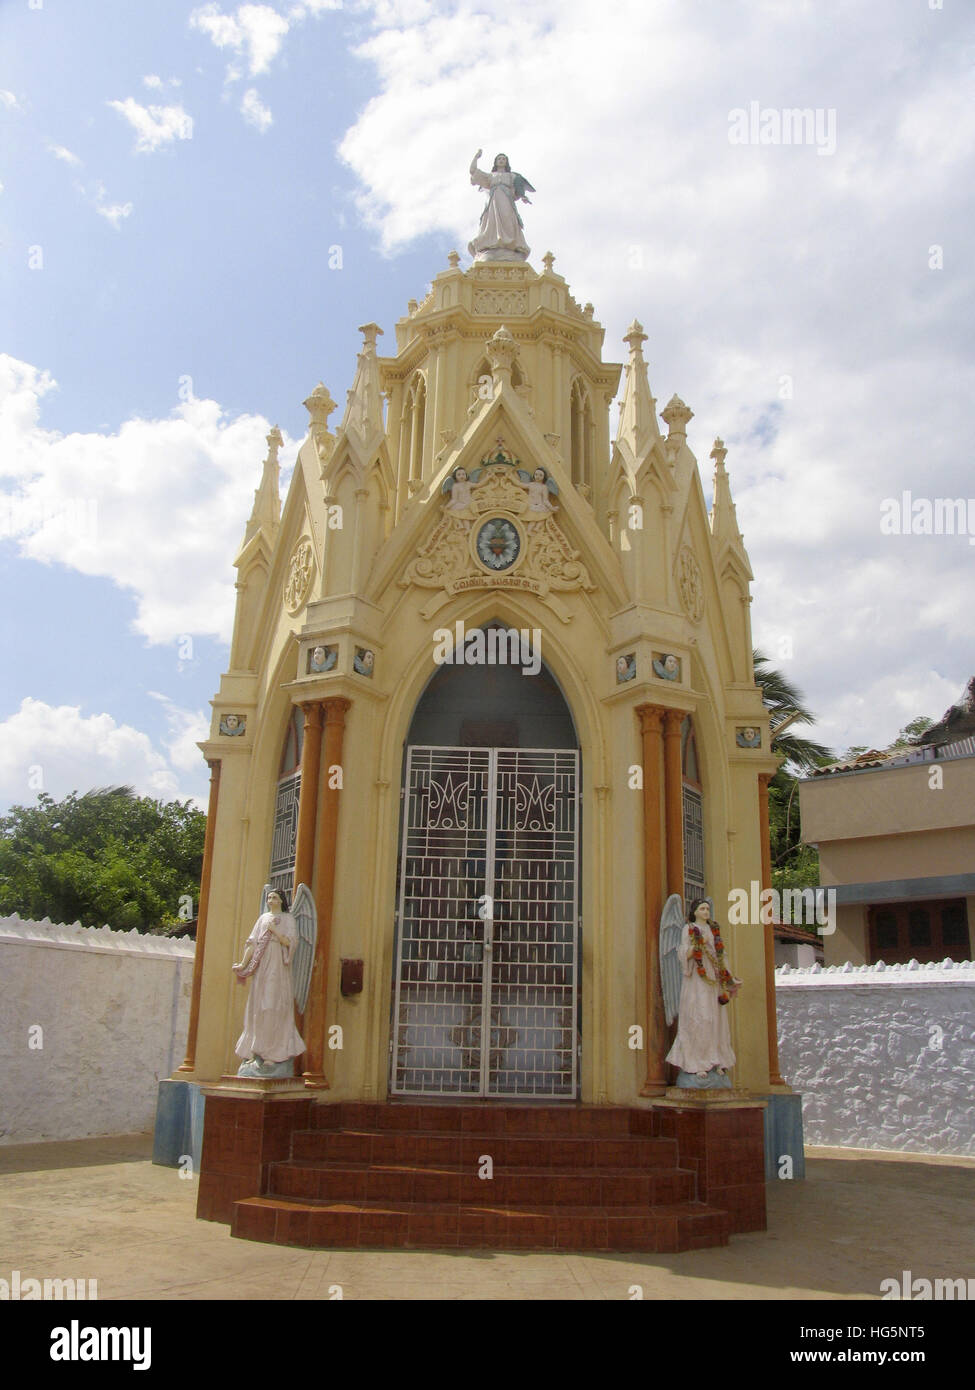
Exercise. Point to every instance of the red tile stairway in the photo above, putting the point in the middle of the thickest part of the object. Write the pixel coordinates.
(568, 1178)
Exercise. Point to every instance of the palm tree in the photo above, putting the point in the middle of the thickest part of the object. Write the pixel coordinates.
(784, 703)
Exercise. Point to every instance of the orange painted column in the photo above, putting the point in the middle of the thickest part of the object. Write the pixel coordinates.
(656, 1039)
(311, 766)
(189, 1061)
(335, 710)
(773, 1024)
(674, 802)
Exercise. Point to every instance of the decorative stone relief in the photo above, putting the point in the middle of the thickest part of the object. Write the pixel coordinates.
(364, 660)
(321, 659)
(498, 530)
(690, 584)
(500, 302)
(625, 668)
(233, 725)
(666, 666)
(300, 570)
(748, 738)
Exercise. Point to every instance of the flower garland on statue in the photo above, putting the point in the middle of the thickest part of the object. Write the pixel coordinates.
(700, 949)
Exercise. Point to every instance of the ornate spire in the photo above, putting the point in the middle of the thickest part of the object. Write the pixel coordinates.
(638, 414)
(320, 406)
(364, 410)
(502, 353)
(676, 416)
(724, 519)
(266, 512)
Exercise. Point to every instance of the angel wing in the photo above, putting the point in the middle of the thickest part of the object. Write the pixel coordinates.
(267, 889)
(522, 186)
(552, 485)
(306, 920)
(671, 927)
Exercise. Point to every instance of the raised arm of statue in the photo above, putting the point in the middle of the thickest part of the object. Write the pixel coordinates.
(478, 177)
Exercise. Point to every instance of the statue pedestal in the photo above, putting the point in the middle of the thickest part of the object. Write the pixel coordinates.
(708, 1095)
(247, 1126)
(720, 1136)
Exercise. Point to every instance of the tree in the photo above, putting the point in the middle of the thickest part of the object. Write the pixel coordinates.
(107, 857)
(794, 864)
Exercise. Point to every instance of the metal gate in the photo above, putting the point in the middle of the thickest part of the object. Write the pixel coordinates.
(485, 999)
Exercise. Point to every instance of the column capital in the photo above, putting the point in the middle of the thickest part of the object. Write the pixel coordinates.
(673, 719)
(651, 717)
(335, 708)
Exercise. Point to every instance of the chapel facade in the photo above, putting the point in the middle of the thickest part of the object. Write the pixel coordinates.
(491, 699)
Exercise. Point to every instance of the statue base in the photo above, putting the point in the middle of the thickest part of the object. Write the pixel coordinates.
(260, 1070)
(714, 1080)
(499, 253)
(708, 1095)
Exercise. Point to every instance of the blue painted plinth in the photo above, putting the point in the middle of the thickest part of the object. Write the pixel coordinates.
(715, 1080)
(783, 1136)
(179, 1124)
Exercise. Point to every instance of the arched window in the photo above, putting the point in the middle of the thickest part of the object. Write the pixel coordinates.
(693, 800)
(582, 435)
(285, 834)
(411, 434)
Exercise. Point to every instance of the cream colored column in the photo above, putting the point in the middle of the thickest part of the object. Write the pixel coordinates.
(335, 711)
(189, 1061)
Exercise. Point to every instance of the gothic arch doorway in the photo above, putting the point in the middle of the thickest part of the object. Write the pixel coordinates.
(486, 961)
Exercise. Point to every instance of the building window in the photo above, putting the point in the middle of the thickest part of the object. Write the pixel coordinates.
(413, 422)
(693, 798)
(284, 837)
(925, 932)
(582, 435)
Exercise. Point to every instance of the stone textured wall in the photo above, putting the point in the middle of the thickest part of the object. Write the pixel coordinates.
(884, 1055)
(112, 1009)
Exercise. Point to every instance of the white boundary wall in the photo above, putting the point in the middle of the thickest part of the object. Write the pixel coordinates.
(884, 1055)
(112, 1008)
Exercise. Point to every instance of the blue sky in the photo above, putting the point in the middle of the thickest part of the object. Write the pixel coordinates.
(174, 176)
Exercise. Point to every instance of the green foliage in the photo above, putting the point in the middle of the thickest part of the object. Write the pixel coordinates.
(107, 857)
(785, 702)
(794, 864)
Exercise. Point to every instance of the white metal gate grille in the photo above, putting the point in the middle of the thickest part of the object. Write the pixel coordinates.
(486, 976)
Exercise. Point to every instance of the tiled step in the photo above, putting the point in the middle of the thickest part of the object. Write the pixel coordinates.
(488, 1117)
(468, 1149)
(454, 1183)
(666, 1228)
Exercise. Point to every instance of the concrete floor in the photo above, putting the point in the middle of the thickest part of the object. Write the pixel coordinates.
(99, 1209)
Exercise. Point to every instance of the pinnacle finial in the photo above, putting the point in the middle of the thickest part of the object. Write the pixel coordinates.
(453, 259)
(719, 453)
(548, 260)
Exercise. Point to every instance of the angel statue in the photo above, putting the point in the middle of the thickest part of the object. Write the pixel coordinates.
(460, 485)
(697, 984)
(539, 485)
(500, 236)
(277, 960)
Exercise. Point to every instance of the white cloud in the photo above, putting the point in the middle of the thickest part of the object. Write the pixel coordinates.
(787, 295)
(254, 111)
(8, 100)
(155, 126)
(158, 507)
(68, 751)
(254, 32)
(65, 155)
(114, 212)
(186, 728)
(157, 84)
